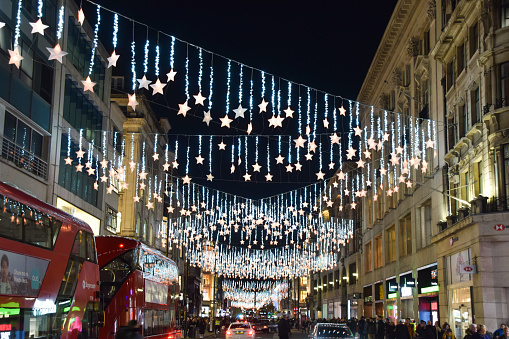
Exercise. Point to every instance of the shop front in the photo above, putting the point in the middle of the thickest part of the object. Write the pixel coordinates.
(352, 306)
(427, 286)
(407, 285)
(459, 292)
(367, 293)
(379, 298)
(391, 287)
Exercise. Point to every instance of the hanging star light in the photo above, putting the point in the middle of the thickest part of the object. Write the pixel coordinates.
(210, 177)
(263, 106)
(183, 109)
(289, 168)
(79, 168)
(15, 57)
(279, 159)
(239, 112)
(207, 118)
(325, 123)
(88, 85)
(158, 88)
(298, 166)
(199, 100)
(334, 139)
(320, 175)
(256, 167)
(350, 153)
(144, 82)
(226, 121)
(342, 110)
(166, 167)
(300, 142)
(249, 128)
(247, 177)
(186, 179)
(112, 60)
(81, 16)
(171, 75)
(289, 112)
(155, 156)
(222, 146)
(199, 159)
(132, 101)
(268, 177)
(358, 131)
(68, 161)
(38, 27)
(56, 53)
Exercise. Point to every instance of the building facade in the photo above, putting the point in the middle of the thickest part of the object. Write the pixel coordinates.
(433, 250)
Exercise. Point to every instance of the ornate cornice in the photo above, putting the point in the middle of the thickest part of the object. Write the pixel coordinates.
(397, 27)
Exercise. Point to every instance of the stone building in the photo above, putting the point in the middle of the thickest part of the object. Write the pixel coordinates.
(435, 250)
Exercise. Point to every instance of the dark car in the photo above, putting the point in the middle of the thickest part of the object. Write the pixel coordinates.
(261, 325)
(325, 330)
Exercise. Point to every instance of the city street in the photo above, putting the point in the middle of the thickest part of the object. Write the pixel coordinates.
(296, 334)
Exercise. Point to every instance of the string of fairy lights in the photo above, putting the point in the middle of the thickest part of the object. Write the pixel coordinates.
(254, 294)
(364, 151)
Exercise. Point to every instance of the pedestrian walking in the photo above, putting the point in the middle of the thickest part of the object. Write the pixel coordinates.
(371, 329)
(283, 328)
(402, 331)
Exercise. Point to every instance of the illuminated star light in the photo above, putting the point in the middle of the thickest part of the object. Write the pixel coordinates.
(342, 110)
(320, 175)
(112, 60)
(171, 75)
(158, 88)
(325, 123)
(256, 167)
(300, 142)
(247, 177)
(207, 118)
(279, 159)
(144, 82)
(210, 177)
(226, 121)
(222, 146)
(351, 153)
(298, 166)
(15, 56)
(81, 16)
(88, 85)
(263, 106)
(183, 108)
(186, 179)
(199, 159)
(239, 112)
(358, 131)
(132, 101)
(289, 168)
(56, 53)
(155, 156)
(199, 99)
(38, 27)
(268, 177)
(68, 161)
(289, 112)
(334, 139)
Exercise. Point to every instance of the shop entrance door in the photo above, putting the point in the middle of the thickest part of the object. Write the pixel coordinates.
(462, 316)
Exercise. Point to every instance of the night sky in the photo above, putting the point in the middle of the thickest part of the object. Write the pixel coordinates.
(327, 45)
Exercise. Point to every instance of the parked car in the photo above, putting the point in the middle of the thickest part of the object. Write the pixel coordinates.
(272, 325)
(240, 330)
(326, 330)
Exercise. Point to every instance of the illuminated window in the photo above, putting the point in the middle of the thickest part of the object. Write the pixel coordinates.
(405, 235)
(378, 251)
(368, 257)
(390, 244)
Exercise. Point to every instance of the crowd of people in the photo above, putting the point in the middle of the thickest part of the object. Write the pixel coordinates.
(377, 328)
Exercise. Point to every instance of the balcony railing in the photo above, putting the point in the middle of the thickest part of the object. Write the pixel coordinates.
(23, 158)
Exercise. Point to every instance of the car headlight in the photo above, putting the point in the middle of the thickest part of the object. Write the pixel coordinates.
(264, 326)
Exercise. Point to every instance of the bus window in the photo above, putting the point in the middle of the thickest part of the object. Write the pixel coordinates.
(36, 232)
(90, 247)
(69, 280)
(10, 222)
(113, 274)
(79, 248)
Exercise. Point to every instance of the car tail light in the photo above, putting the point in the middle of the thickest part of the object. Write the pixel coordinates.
(170, 336)
(251, 332)
(228, 332)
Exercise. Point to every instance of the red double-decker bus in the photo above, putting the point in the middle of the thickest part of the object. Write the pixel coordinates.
(137, 283)
(49, 275)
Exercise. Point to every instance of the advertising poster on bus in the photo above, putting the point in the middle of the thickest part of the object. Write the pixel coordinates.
(21, 274)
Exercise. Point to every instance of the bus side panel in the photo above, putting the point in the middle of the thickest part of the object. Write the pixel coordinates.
(127, 304)
(86, 289)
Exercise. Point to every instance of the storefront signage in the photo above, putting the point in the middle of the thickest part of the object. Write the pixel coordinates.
(393, 286)
(468, 269)
(427, 279)
(409, 282)
(24, 274)
(499, 227)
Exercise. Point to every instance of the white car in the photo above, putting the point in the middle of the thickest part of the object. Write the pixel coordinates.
(240, 330)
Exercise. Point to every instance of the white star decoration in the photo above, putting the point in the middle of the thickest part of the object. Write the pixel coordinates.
(222, 146)
(207, 118)
(186, 179)
(226, 121)
(263, 106)
(132, 101)
(15, 56)
(171, 75)
(342, 110)
(299, 142)
(199, 159)
(351, 153)
(210, 177)
(199, 99)
(158, 87)
(183, 108)
(88, 85)
(81, 16)
(239, 112)
(276, 121)
(144, 82)
(289, 112)
(112, 60)
(320, 175)
(279, 159)
(256, 167)
(334, 139)
(56, 53)
(38, 27)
